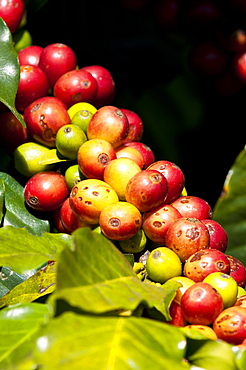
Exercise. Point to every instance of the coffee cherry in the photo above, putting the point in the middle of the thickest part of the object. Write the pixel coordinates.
(120, 221)
(73, 175)
(191, 206)
(33, 84)
(69, 139)
(77, 107)
(44, 117)
(75, 86)
(68, 218)
(201, 304)
(88, 198)
(135, 244)
(12, 13)
(204, 262)
(230, 325)
(136, 128)
(128, 152)
(225, 285)
(163, 264)
(186, 283)
(157, 221)
(177, 316)
(174, 175)
(186, 236)
(82, 119)
(146, 190)
(46, 191)
(30, 55)
(237, 270)
(218, 235)
(105, 85)
(109, 123)
(93, 157)
(145, 150)
(55, 60)
(118, 172)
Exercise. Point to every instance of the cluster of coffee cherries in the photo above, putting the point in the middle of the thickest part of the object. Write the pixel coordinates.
(84, 163)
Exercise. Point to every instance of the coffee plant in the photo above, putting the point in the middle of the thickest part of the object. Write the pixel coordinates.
(108, 260)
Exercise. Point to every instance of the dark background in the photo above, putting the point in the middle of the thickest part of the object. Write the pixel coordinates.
(186, 121)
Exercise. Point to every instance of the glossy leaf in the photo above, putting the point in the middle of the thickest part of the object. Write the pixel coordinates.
(211, 355)
(109, 343)
(24, 252)
(39, 284)
(10, 278)
(97, 278)
(19, 325)
(16, 213)
(230, 210)
(9, 70)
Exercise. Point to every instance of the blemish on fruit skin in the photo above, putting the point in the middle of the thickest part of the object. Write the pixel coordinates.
(74, 191)
(80, 199)
(36, 107)
(220, 265)
(33, 200)
(95, 193)
(157, 224)
(156, 254)
(197, 257)
(114, 222)
(118, 113)
(156, 178)
(192, 233)
(179, 233)
(88, 202)
(103, 159)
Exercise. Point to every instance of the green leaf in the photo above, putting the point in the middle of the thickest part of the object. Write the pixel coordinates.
(230, 209)
(96, 277)
(52, 156)
(39, 284)
(10, 278)
(108, 343)
(211, 355)
(9, 70)
(24, 252)
(16, 212)
(2, 192)
(19, 325)
(240, 357)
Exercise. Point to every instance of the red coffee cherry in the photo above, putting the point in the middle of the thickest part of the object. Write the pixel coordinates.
(46, 191)
(55, 60)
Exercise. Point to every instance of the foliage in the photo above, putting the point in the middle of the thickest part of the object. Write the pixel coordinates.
(74, 300)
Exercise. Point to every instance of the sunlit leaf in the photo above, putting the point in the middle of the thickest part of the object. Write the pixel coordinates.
(24, 252)
(211, 355)
(52, 156)
(109, 343)
(96, 277)
(19, 325)
(39, 284)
